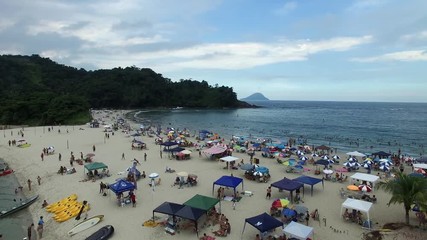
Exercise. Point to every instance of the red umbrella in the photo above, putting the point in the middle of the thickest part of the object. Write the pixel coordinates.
(279, 203)
(365, 188)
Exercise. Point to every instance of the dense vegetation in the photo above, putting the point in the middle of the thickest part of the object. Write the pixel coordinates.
(38, 91)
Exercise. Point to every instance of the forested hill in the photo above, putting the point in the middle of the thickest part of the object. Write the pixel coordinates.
(38, 91)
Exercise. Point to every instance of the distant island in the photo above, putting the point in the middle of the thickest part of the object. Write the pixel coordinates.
(255, 97)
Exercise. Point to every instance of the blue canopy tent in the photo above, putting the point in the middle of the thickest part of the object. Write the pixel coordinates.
(309, 181)
(122, 186)
(168, 145)
(263, 222)
(288, 185)
(228, 181)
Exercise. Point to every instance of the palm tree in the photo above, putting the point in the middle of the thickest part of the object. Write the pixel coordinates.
(406, 189)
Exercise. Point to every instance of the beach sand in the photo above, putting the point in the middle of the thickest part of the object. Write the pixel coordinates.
(128, 221)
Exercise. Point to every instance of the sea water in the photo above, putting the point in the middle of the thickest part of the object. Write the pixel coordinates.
(346, 126)
(13, 226)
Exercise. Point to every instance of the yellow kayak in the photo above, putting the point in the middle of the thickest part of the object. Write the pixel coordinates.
(61, 202)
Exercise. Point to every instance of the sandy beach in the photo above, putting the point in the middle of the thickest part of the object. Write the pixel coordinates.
(127, 221)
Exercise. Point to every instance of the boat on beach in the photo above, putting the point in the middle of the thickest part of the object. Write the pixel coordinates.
(22, 205)
(5, 170)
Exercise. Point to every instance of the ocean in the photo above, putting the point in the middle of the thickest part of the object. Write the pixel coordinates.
(345, 126)
(13, 226)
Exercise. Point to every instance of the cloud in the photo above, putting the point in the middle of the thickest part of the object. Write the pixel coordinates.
(403, 56)
(286, 8)
(419, 36)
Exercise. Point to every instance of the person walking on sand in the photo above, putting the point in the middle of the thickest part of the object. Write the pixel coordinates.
(30, 231)
(93, 148)
(42, 156)
(145, 157)
(39, 179)
(59, 156)
(161, 153)
(268, 193)
(40, 227)
(29, 184)
(123, 156)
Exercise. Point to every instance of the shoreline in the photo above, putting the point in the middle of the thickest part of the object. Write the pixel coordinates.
(27, 164)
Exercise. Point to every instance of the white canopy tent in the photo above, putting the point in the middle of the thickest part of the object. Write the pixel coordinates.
(229, 159)
(420, 165)
(298, 230)
(355, 204)
(356, 154)
(366, 177)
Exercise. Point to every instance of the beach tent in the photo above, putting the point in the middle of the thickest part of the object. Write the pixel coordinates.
(381, 154)
(366, 177)
(181, 211)
(228, 181)
(263, 222)
(419, 165)
(288, 185)
(95, 166)
(309, 181)
(121, 186)
(215, 150)
(202, 202)
(355, 204)
(298, 230)
(356, 154)
(168, 208)
(229, 159)
(191, 213)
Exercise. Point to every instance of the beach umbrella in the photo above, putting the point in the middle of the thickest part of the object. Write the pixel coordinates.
(336, 157)
(261, 169)
(153, 175)
(303, 158)
(352, 159)
(331, 161)
(368, 161)
(356, 164)
(387, 161)
(420, 170)
(260, 174)
(326, 157)
(348, 164)
(287, 212)
(246, 166)
(300, 209)
(280, 203)
(365, 188)
(353, 188)
(314, 155)
(328, 171)
(366, 165)
(182, 174)
(385, 168)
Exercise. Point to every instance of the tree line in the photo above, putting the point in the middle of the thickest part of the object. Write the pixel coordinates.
(39, 91)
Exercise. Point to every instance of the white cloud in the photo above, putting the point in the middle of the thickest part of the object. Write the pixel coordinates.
(5, 24)
(422, 35)
(403, 56)
(286, 8)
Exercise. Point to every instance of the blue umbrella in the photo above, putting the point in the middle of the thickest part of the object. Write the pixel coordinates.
(246, 166)
(287, 212)
(348, 164)
(331, 161)
(336, 157)
(304, 158)
(261, 169)
(385, 168)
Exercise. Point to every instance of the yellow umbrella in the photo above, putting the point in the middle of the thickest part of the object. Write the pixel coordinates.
(286, 163)
(353, 188)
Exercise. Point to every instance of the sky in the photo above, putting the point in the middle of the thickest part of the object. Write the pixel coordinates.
(334, 50)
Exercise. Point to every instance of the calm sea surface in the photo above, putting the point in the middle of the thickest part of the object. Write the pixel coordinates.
(362, 126)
